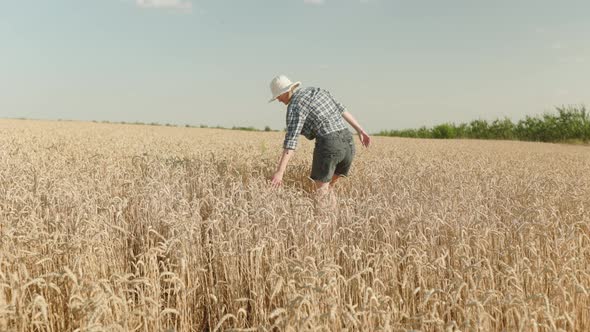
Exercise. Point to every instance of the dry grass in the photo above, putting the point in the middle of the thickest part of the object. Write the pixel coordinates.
(138, 228)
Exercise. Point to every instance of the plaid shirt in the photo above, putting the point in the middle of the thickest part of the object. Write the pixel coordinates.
(312, 112)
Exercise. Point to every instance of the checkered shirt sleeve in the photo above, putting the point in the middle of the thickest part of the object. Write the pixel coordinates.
(296, 115)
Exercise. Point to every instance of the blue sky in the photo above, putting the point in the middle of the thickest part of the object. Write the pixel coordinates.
(394, 64)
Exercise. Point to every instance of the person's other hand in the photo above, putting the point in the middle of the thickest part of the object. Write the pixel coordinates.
(365, 138)
(276, 180)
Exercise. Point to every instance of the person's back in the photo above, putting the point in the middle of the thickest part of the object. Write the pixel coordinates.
(312, 112)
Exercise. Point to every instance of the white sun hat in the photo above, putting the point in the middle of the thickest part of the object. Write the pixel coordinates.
(280, 85)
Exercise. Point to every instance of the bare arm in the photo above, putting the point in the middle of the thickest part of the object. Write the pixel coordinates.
(277, 178)
(363, 136)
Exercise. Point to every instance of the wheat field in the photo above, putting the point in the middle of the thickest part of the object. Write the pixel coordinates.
(109, 227)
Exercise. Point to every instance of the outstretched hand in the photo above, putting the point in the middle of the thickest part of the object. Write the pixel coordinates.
(276, 180)
(365, 138)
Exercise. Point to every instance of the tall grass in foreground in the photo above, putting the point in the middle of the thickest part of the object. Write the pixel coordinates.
(571, 123)
(130, 228)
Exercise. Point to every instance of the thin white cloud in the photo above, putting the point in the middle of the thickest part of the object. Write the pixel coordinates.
(540, 30)
(562, 92)
(169, 4)
(314, 2)
(556, 46)
(573, 59)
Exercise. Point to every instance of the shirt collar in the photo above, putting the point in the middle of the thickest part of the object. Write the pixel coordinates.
(294, 99)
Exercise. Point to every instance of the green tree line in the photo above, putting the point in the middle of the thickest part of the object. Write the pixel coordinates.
(569, 123)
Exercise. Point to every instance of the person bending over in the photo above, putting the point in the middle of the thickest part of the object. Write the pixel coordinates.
(315, 114)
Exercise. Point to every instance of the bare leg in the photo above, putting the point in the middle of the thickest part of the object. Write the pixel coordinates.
(325, 198)
(334, 198)
(322, 188)
(334, 180)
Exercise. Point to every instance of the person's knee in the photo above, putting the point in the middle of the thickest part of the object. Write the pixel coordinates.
(322, 187)
(325, 199)
(334, 179)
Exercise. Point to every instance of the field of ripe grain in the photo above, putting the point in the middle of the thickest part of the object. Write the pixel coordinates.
(109, 227)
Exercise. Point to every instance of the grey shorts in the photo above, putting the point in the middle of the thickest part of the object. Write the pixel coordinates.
(332, 155)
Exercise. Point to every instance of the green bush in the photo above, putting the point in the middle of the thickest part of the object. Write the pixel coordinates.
(244, 128)
(443, 131)
(501, 129)
(571, 123)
